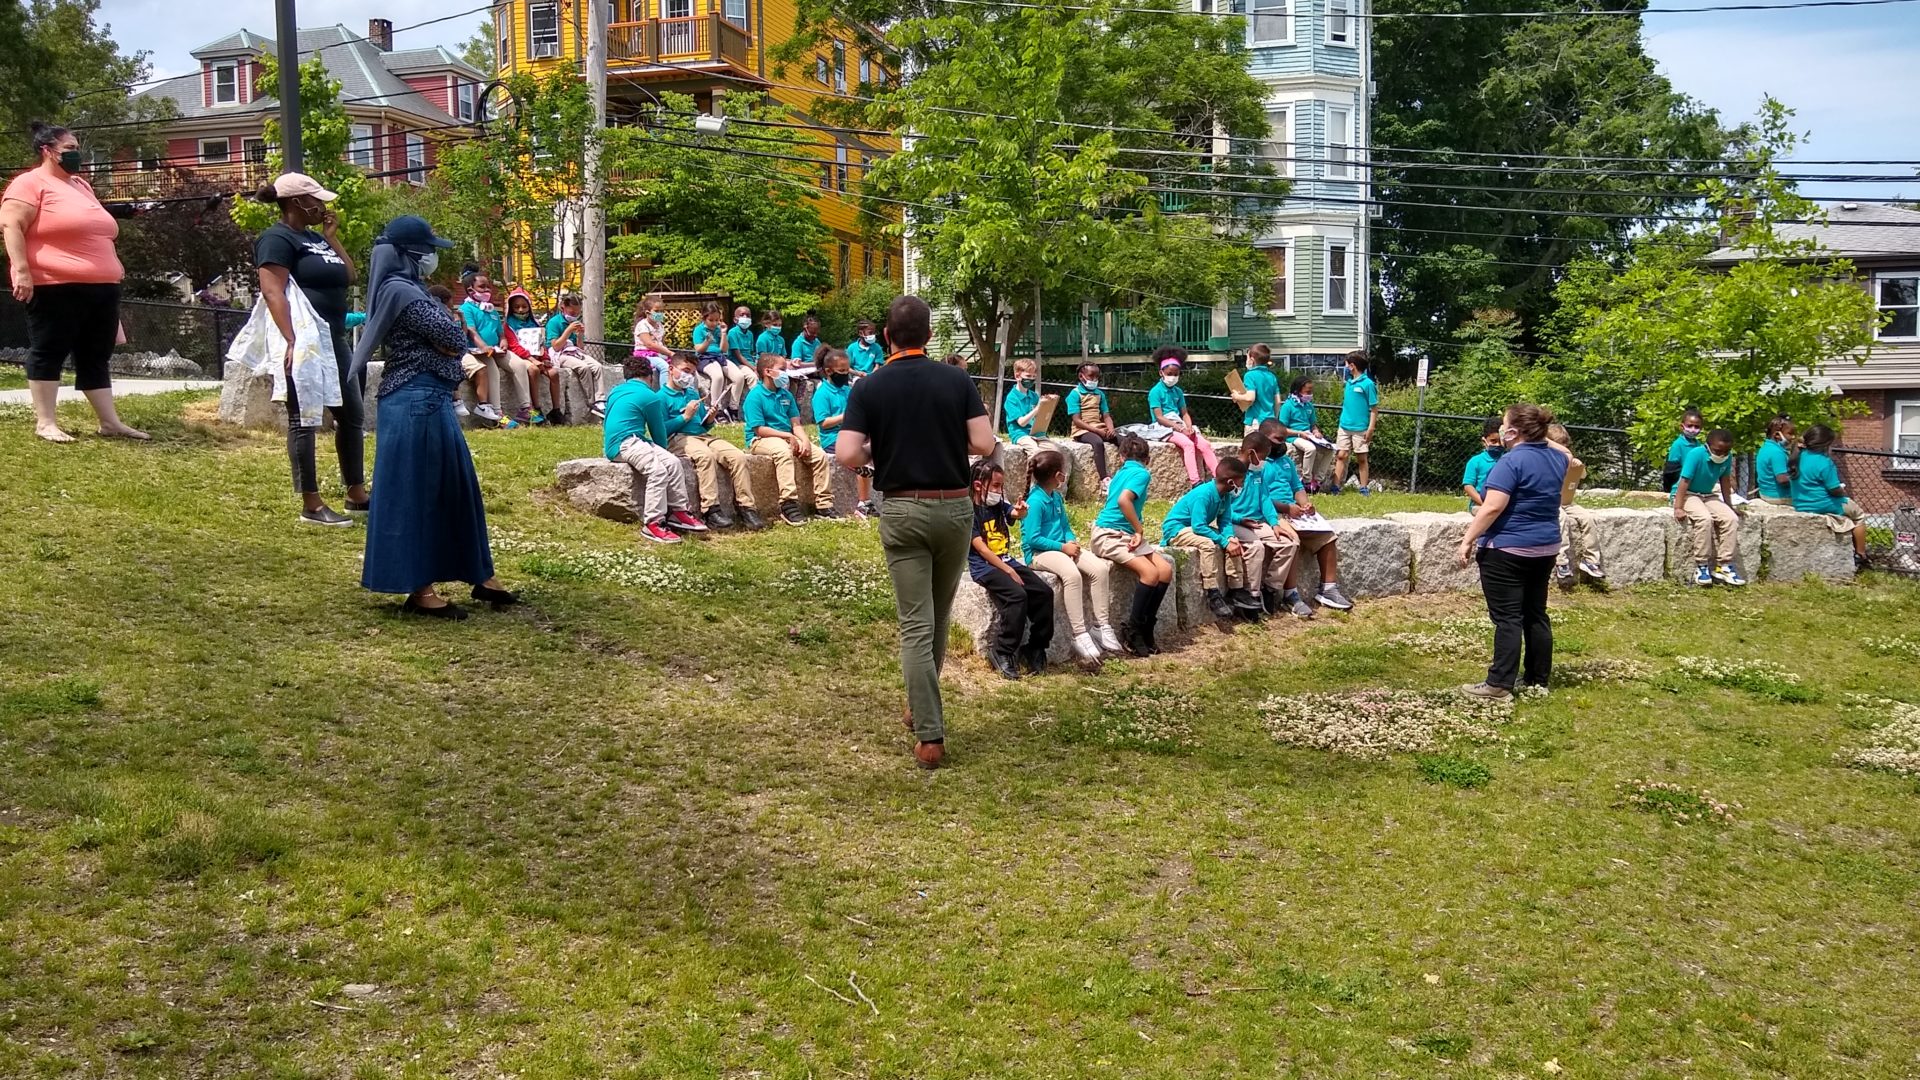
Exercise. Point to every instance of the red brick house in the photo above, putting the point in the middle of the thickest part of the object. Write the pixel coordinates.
(1883, 243)
(403, 105)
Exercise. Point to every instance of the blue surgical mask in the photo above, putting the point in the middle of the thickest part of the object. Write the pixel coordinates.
(428, 263)
(867, 339)
(659, 318)
(1090, 384)
(743, 321)
(780, 380)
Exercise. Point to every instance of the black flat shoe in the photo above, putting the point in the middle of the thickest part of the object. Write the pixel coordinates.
(360, 507)
(450, 612)
(501, 599)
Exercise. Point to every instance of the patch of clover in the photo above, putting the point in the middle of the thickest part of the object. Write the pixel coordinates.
(1895, 743)
(1375, 723)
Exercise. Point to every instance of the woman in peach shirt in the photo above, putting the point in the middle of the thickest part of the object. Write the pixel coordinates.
(59, 243)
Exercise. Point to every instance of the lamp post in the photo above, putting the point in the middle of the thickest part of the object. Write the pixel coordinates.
(288, 50)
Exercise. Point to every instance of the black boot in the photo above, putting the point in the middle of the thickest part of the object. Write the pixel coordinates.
(1272, 602)
(1149, 628)
(1003, 664)
(1134, 640)
(1035, 660)
(1217, 603)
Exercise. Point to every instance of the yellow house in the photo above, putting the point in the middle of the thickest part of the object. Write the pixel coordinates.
(707, 49)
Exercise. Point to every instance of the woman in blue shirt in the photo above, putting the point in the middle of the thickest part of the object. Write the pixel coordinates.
(1515, 537)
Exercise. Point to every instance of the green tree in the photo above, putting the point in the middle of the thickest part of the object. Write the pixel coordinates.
(325, 129)
(508, 182)
(479, 50)
(1558, 121)
(1742, 344)
(1042, 194)
(58, 64)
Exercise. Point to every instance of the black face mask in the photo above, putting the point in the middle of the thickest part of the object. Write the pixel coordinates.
(70, 160)
(841, 378)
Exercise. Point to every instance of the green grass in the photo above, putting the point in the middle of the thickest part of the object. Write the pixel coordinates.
(653, 823)
(13, 377)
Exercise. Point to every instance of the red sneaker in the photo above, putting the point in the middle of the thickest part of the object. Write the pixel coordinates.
(658, 533)
(685, 522)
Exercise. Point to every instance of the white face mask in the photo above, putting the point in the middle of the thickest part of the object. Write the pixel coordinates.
(1170, 380)
(684, 380)
(743, 321)
(994, 498)
(1091, 384)
(1718, 459)
(429, 263)
(866, 339)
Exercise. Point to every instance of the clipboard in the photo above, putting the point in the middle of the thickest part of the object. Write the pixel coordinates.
(1043, 416)
(1237, 386)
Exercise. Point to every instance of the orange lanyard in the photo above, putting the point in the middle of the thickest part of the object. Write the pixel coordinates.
(921, 353)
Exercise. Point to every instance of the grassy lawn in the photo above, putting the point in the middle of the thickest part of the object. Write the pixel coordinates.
(661, 822)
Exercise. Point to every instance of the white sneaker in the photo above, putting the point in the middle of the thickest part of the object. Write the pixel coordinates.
(460, 408)
(486, 411)
(1105, 637)
(1084, 648)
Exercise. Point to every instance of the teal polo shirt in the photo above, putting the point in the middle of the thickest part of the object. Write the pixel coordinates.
(677, 400)
(1700, 473)
(1204, 510)
(1265, 387)
(771, 340)
(1770, 462)
(1356, 407)
(1131, 476)
(769, 408)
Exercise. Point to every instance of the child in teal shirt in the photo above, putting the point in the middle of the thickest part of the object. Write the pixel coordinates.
(830, 411)
(1690, 424)
(1817, 489)
(1022, 408)
(1119, 536)
(1050, 544)
(1473, 480)
(1198, 524)
(771, 340)
(865, 351)
(1703, 500)
(1773, 463)
(774, 431)
(1262, 385)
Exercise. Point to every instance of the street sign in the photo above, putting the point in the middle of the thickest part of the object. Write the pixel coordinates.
(1421, 379)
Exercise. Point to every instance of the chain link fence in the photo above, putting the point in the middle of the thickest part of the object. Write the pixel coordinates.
(197, 334)
(1886, 484)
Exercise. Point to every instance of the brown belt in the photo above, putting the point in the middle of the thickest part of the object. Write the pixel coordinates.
(930, 493)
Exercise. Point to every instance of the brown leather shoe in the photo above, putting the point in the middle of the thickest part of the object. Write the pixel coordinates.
(929, 754)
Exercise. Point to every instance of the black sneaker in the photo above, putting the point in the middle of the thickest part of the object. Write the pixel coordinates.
(790, 513)
(751, 520)
(1217, 604)
(826, 513)
(1034, 660)
(1003, 664)
(719, 519)
(325, 516)
(1243, 600)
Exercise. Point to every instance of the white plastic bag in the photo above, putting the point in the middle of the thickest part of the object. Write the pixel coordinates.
(316, 372)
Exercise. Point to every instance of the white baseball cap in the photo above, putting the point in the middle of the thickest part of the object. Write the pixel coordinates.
(293, 185)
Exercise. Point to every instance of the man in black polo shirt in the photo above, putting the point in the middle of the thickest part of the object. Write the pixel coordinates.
(916, 420)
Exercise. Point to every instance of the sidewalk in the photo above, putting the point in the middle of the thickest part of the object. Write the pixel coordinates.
(121, 388)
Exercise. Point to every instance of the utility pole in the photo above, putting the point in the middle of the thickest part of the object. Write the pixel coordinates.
(593, 216)
(288, 48)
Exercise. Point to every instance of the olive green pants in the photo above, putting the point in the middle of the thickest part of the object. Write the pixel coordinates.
(925, 541)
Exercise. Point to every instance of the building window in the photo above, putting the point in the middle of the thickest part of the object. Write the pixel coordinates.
(840, 67)
(1339, 279)
(416, 159)
(254, 151)
(502, 36)
(1281, 259)
(846, 263)
(226, 83)
(463, 103)
(1270, 23)
(360, 145)
(886, 264)
(1906, 433)
(866, 262)
(1278, 149)
(735, 12)
(840, 168)
(1898, 297)
(1339, 142)
(543, 31)
(826, 176)
(822, 73)
(866, 70)
(214, 151)
(149, 161)
(1339, 22)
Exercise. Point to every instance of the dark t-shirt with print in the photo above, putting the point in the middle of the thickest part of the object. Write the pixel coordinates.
(320, 273)
(994, 524)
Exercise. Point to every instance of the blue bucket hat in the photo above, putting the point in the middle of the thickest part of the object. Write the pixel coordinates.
(412, 233)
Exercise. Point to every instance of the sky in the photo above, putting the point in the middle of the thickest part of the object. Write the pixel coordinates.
(1852, 74)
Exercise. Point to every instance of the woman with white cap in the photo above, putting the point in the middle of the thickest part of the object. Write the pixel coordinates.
(428, 523)
(290, 251)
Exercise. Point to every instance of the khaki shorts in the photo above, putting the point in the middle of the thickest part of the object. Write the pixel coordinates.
(1353, 442)
(1844, 521)
(468, 365)
(1111, 545)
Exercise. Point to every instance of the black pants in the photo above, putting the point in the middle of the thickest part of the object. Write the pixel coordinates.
(1099, 446)
(80, 321)
(1516, 590)
(349, 429)
(1021, 609)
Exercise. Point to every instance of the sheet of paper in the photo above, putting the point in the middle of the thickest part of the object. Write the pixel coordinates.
(1312, 523)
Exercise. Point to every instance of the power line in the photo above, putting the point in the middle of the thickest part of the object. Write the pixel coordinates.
(1580, 14)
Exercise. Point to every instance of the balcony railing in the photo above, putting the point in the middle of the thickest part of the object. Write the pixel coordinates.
(692, 38)
(1185, 326)
(125, 181)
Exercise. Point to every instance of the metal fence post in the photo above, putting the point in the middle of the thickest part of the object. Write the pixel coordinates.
(1419, 426)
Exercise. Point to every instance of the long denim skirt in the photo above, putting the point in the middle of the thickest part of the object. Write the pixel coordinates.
(427, 523)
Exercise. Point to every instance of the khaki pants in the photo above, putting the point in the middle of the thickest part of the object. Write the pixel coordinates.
(925, 543)
(1111, 545)
(709, 455)
(1211, 560)
(505, 372)
(1083, 583)
(665, 485)
(786, 469)
(1034, 445)
(1716, 529)
(1267, 556)
(1312, 462)
(582, 372)
(727, 384)
(1577, 536)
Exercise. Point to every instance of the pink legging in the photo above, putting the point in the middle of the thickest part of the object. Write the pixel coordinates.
(1192, 446)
